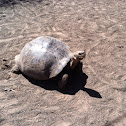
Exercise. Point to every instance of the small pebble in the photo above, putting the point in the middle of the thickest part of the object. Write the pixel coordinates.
(8, 89)
(4, 59)
(3, 15)
(121, 47)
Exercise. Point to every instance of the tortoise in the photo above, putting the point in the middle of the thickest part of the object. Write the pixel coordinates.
(46, 57)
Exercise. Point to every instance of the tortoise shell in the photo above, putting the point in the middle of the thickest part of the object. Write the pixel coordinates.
(44, 58)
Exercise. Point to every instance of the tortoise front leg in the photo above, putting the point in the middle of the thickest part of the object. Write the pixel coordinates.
(63, 81)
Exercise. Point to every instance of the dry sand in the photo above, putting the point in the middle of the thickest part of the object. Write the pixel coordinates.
(97, 26)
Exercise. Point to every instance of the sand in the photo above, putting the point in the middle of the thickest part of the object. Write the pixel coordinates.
(96, 96)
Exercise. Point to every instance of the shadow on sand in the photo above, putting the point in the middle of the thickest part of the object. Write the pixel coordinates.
(77, 82)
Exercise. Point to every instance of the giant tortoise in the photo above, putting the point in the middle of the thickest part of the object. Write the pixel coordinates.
(46, 57)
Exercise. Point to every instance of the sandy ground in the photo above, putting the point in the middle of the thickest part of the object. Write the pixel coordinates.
(97, 26)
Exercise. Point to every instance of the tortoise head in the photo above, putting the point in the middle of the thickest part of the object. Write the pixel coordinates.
(79, 55)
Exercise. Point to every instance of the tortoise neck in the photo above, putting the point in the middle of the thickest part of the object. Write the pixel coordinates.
(74, 62)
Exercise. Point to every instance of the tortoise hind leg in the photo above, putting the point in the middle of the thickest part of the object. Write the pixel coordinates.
(15, 68)
(63, 81)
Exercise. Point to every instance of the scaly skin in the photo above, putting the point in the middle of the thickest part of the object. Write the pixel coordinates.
(78, 56)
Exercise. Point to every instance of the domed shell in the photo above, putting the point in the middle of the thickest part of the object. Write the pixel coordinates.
(44, 58)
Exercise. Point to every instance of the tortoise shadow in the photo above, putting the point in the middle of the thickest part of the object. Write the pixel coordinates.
(77, 82)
